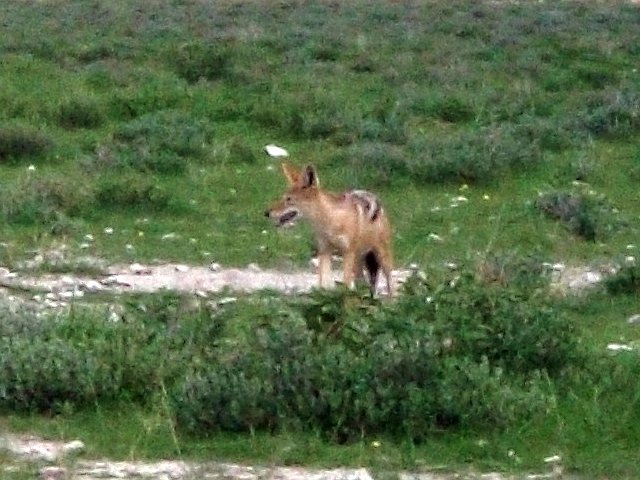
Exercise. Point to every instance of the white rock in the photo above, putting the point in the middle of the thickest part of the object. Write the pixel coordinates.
(215, 267)
(139, 269)
(619, 347)
(170, 236)
(275, 151)
(91, 286)
(434, 237)
(553, 459)
(108, 230)
(227, 300)
(73, 447)
(67, 281)
(558, 267)
(4, 272)
(88, 237)
(253, 267)
(634, 319)
(182, 268)
(69, 294)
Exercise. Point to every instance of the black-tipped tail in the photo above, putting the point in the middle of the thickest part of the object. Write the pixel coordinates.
(373, 267)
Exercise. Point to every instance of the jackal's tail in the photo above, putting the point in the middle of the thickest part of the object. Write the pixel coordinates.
(372, 264)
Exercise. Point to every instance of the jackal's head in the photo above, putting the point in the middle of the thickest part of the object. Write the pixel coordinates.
(299, 200)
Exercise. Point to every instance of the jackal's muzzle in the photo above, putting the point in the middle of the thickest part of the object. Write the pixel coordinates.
(286, 218)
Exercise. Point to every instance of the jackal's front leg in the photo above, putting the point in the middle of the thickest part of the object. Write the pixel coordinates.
(324, 270)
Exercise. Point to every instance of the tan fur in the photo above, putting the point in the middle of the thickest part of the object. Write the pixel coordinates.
(341, 225)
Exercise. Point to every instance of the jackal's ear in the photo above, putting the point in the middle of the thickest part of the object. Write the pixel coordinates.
(310, 177)
(292, 175)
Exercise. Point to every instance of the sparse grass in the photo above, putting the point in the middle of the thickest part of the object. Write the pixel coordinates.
(154, 123)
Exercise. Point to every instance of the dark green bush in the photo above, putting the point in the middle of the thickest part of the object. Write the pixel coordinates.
(625, 281)
(162, 142)
(472, 156)
(36, 200)
(614, 114)
(20, 141)
(455, 356)
(131, 190)
(81, 113)
(587, 215)
(197, 60)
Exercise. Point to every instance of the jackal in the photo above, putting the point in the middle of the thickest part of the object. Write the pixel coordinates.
(353, 224)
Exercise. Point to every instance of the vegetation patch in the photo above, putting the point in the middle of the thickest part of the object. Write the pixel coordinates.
(20, 141)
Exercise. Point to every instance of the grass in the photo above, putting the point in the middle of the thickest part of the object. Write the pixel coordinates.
(154, 123)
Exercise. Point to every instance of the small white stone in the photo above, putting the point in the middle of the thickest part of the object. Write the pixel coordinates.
(139, 269)
(215, 267)
(227, 300)
(108, 230)
(618, 347)
(553, 459)
(182, 268)
(275, 151)
(170, 236)
(634, 319)
(73, 447)
(253, 267)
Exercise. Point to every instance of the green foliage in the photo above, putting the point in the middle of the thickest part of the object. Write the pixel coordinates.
(38, 200)
(466, 355)
(625, 281)
(159, 143)
(17, 142)
(81, 113)
(133, 190)
(202, 61)
(474, 156)
(585, 214)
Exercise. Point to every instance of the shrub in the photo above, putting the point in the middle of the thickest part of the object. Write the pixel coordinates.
(374, 163)
(585, 214)
(342, 364)
(80, 113)
(83, 357)
(161, 143)
(131, 190)
(208, 61)
(33, 200)
(20, 141)
(624, 281)
(475, 156)
(451, 109)
(613, 114)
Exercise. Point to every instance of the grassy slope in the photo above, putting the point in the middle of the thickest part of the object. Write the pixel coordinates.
(336, 85)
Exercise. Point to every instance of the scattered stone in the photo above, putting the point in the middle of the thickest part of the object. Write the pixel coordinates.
(108, 231)
(170, 236)
(53, 473)
(215, 267)
(4, 272)
(139, 269)
(275, 151)
(227, 300)
(619, 347)
(254, 267)
(182, 268)
(73, 448)
(634, 319)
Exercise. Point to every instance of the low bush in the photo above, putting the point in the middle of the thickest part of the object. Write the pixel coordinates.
(625, 281)
(585, 214)
(462, 354)
(613, 114)
(201, 60)
(18, 142)
(161, 142)
(36, 200)
(81, 113)
(131, 190)
(472, 156)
